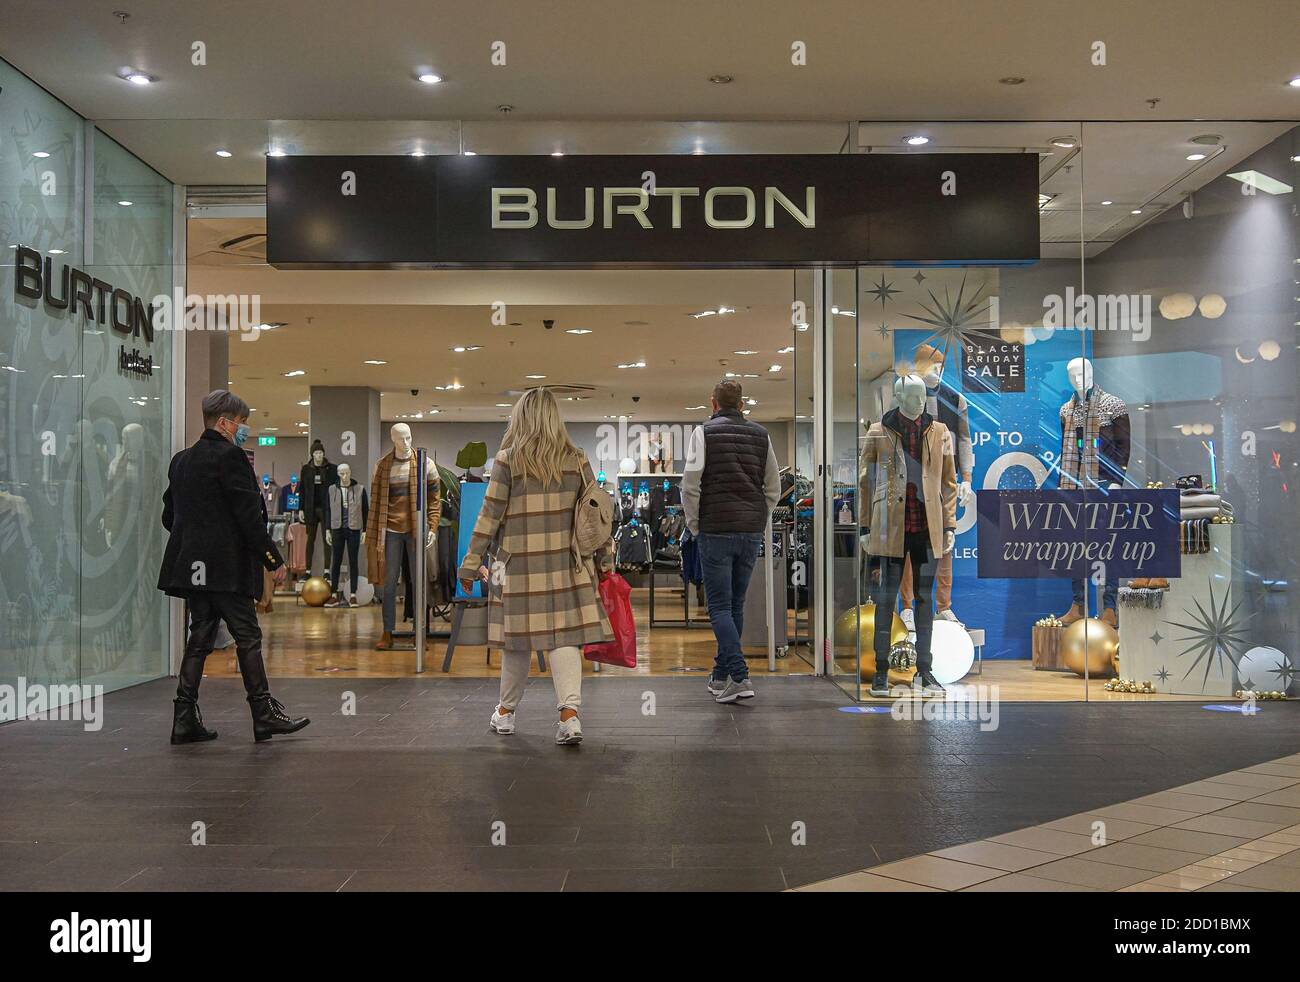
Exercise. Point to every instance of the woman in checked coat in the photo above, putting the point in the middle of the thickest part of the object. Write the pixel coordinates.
(539, 597)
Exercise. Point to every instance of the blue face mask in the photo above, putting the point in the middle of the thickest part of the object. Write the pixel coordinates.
(241, 434)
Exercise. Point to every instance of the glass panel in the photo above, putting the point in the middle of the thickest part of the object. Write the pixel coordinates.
(804, 551)
(847, 646)
(41, 208)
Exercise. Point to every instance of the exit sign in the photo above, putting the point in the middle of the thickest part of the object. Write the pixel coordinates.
(266, 441)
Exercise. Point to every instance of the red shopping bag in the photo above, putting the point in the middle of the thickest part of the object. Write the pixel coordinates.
(616, 596)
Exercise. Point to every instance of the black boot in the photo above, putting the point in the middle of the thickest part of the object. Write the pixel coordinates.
(270, 719)
(187, 723)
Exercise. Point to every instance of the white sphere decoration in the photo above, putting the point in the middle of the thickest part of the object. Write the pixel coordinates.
(627, 466)
(1260, 668)
(365, 592)
(1176, 306)
(952, 652)
(1212, 306)
(1287, 426)
(1269, 350)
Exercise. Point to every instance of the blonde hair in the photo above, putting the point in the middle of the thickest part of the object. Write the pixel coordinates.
(537, 438)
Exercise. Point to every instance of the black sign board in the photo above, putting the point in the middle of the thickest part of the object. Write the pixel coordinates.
(990, 363)
(653, 211)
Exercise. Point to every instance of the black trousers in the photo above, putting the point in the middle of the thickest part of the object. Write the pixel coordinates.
(315, 520)
(237, 610)
(916, 545)
(351, 538)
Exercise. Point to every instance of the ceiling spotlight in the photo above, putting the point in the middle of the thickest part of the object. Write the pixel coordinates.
(1065, 142)
(503, 405)
(417, 153)
(460, 349)
(786, 350)
(535, 377)
(374, 361)
(774, 368)
(126, 204)
(557, 153)
(1295, 82)
(295, 373)
(223, 153)
(1108, 202)
(137, 78)
(916, 141)
(469, 153)
(633, 364)
(56, 252)
(722, 79)
(305, 402)
(578, 330)
(745, 351)
(1136, 211)
(428, 78)
(41, 153)
(275, 152)
(1012, 80)
(1196, 156)
(699, 152)
(1207, 140)
(693, 408)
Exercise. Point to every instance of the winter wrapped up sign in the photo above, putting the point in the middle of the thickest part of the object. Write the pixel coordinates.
(1073, 535)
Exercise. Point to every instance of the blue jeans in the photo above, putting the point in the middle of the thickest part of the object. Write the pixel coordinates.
(728, 560)
(1109, 593)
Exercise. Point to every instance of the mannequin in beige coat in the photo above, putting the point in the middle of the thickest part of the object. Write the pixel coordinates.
(907, 484)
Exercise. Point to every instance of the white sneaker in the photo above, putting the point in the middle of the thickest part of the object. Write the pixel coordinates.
(909, 620)
(504, 725)
(568, 731)
(948, 615)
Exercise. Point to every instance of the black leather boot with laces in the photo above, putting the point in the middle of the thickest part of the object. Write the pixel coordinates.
(270, 719)
(187, 723)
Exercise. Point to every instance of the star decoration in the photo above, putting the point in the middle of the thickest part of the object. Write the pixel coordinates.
(1248, 684)
(1286, 671)
(1216, 634)
(883, 291)
(884, 330)
(919, 277)
(1157, 638)
(956, 320)
(1163, 674)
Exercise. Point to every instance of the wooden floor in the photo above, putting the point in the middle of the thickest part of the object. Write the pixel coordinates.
(309, 642)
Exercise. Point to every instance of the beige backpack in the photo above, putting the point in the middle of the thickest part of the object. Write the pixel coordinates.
(593, 521)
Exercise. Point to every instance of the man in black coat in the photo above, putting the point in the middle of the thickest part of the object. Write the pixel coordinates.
(218, 545)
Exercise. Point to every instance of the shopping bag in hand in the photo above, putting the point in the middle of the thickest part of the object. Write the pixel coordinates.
(616, 598)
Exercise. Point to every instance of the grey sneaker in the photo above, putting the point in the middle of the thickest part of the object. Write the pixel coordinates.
(927, 684)
(735, 689)
(568, 731)
(716, 685)
(880, 686)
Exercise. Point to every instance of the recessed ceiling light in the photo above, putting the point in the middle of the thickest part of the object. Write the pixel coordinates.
(1012, 80)
(270, 428)
(786, 350)
(469, 153)
(722, 79)
(450, 387)
(1207, 140)
(126, 204)
(223, 153)
(774, 368)
(275, 152)
(1196, 156)
(136, 77)
(428, 78)
(303, 425)
(557, 153)
(693, 408)
(534, 377)
(751, 402)
(417, 153)
(56, 252)
(460, 349)
(1295, 82)
(745, 351)
(748, 411)
(305, 402)
(916, 141)
(1108, 202)
(503, 405)
(41, 153)
(1065, 142)
(1136, 211)
(578, 330)
(633, 364)
(295, 373)
(699, 151)
(375, 361)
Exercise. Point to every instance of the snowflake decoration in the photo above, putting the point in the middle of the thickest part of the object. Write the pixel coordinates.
(1163, 674)
(1216, 634)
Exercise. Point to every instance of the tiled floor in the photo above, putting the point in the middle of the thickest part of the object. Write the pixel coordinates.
(669, 792)
(1234, 831)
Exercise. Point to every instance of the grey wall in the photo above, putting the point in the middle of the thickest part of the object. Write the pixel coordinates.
(285, 458)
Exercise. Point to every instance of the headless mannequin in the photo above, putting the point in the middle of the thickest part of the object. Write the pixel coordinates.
(348, 538)
(1094, 453)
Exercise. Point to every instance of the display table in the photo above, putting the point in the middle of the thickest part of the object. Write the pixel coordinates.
(1153, 645)
(1045, 650)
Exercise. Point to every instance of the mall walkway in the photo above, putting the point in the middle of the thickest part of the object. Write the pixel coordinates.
(407, 793)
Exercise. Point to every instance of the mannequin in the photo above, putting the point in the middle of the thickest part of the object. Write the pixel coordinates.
(949, 407)
(908, 478)
(270, 495)
(391, 523)
(346, 515)
(317, 476)
(290, 496)
(123, 482)
(1095, 443)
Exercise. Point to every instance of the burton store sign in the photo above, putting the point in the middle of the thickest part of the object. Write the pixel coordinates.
(654, 211)
(1075, 534)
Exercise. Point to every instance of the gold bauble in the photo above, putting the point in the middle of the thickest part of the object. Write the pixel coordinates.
(857, 625)
(315, 592)
(1089, 641)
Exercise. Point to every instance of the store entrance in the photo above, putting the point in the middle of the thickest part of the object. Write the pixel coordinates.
(345, 361)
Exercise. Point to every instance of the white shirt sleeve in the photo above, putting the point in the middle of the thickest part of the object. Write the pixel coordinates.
(772, 478)
(692, 471)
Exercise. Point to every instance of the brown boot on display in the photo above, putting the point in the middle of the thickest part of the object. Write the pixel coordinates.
(385, 642)
(1075, 613)
(1110, 618)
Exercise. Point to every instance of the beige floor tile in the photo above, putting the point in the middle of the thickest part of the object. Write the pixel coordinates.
(1286, 796)
(1228, 826)
(1136, 856)
(1197, 804)
(1269, 846)
(1265, 782)
(1286, 859)
(1285, 838)
(1277, 815)
(1248, 855)
(1102, 876)
(1145, 813)
(1207, 872)
(1185, 881)
(1231, 885)
(931, 871)
(1276, 770)
(1234, 863)
(1147, 886)
(997, 855)
(1047, 840)
(1024, 883)
(1271, 876)
(1116, 829)
(1205, 843)
(1213, 789)
(865, 883)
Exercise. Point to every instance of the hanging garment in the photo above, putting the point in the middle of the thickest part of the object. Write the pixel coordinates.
(295, 537)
